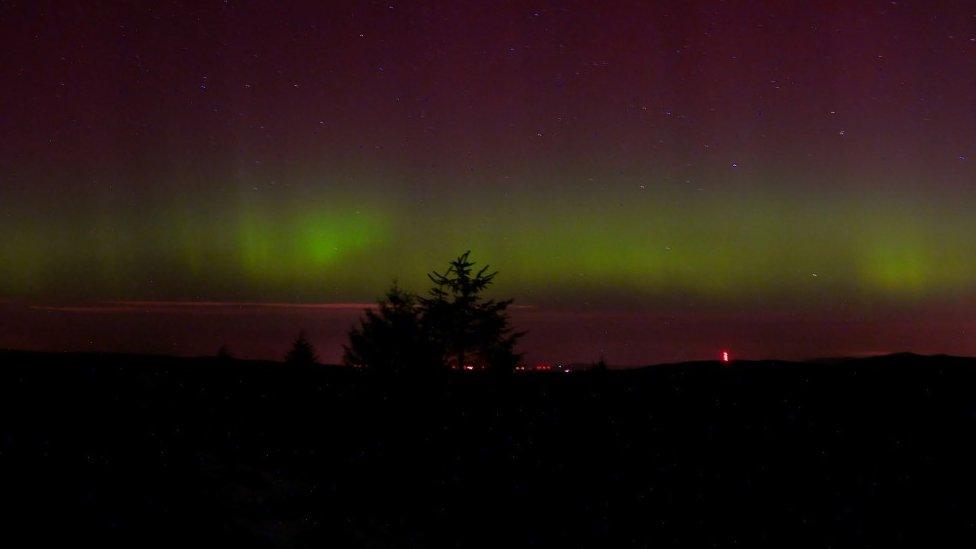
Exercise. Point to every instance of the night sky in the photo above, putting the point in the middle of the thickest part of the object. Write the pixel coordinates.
(655, 181)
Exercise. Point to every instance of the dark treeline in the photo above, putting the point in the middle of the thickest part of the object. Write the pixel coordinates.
(152, 451)
(452, 327)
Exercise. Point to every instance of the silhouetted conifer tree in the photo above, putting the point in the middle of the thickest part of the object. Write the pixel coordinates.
(453, 326)
(391, 339)
(302, 352)
(223, 353)
(466, 327)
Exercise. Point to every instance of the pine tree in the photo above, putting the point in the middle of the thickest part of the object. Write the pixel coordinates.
(463, 324)
(391, 339)
(302, 353)
(453, 326)
(224, 354)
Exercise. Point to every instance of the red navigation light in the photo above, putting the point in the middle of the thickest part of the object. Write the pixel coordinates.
(725, 356)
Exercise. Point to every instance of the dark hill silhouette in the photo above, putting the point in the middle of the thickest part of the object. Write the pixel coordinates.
(159, 451)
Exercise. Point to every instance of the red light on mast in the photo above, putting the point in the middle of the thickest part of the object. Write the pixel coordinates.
(725, 356)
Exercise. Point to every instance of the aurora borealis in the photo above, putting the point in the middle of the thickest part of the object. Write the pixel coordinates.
(735, 164)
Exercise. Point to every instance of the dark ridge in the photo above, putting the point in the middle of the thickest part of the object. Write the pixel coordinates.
(156, 451)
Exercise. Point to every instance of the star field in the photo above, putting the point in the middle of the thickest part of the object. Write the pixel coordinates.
(735, 160)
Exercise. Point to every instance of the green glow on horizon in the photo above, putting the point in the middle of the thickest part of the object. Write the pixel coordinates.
(720, 246)
(276, 247)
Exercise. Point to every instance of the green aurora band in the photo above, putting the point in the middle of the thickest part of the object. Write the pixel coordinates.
(656, 244)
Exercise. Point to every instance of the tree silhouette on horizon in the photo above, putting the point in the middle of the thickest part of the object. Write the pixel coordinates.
(302, 352)
(463, 323)
(453, 326)
(391, 339)
(224, 353)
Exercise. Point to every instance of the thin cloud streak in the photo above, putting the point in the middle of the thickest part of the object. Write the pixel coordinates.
(252, 304)
(215, 307)
(125, 307)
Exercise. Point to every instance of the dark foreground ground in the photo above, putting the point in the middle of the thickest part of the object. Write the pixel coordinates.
(144, 451)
